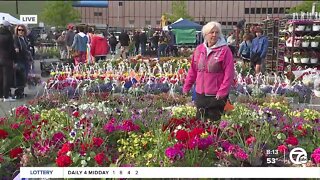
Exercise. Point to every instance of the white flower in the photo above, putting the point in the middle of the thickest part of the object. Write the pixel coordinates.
(84, 163)
(69, 153)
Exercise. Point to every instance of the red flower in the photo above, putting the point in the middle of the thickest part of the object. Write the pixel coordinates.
(282, 148)
(182, 135)
(100, 158)
(65, 148)
(75, 114)
(250, 140)
(1, 158)
(2, 120)
(292, 140)
(63, 161)
(196, 132)
(303, 131)
(97, 141)
(27, 135)
(15, 152)
(3, 134)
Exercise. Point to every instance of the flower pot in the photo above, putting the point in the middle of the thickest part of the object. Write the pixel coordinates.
(316, 27)
(317, 93)
(296, 60)
(300, 28)
(304, 60)
(305, 44)
(314, 44)
(308, 28)
(286, 59)
(314, 60)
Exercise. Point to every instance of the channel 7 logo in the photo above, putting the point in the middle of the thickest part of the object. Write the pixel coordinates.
(298, 156)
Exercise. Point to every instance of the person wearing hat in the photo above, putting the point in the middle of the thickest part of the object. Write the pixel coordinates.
(258, 51)
(69, 39)
(7, 57)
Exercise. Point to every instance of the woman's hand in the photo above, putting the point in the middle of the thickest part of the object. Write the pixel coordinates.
(219, 97)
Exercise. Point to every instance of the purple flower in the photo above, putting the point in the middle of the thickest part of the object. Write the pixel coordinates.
(223, 124)
(58, 137)
(204, 143)
(109, 127)
(225, 145)
(174, 153)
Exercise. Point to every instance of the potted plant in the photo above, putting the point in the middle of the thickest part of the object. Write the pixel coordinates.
(290, 28)
(296, 57)
(314, 57)
(317, 86)
(315, 41)
(300, 27)
(308, 28)
(316, 26)
(287, 57)
(306, 41)
(304, 58)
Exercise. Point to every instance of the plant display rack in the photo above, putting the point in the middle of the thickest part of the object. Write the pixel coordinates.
(281, 50)
(302, 37)
(271, 30)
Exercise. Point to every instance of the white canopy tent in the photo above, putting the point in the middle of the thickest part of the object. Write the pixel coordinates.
(9, 18)
(166, 28)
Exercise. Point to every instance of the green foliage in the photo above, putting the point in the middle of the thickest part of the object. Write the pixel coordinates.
(59, 13)
(305, 6)
(179, 10)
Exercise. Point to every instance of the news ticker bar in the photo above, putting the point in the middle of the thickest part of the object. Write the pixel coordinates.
(170, 172)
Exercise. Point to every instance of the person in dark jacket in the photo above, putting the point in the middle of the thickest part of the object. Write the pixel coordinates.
(69, 39)
(23, 60)
(113, 43)
(7, 56)
(136, 40)
(124, 41)
(259, 50)
(143, 42)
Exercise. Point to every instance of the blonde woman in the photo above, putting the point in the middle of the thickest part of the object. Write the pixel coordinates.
(212, 70)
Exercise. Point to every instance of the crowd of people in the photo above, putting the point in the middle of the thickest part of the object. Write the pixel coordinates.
(16, 60)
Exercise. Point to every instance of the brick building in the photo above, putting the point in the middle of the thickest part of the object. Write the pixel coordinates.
(138, 14)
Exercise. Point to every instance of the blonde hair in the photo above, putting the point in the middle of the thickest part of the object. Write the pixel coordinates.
(23, 27)
(209, 26)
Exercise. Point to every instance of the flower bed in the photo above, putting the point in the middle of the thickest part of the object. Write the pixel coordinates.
(138, 131)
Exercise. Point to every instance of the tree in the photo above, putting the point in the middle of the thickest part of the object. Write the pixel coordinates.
(59, 13)
(179, 10)
(305, 6)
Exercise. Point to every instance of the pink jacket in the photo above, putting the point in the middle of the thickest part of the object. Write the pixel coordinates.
(213, 73)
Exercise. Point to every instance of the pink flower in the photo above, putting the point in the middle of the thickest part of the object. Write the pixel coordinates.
(241, 155)
(250, 140)
(22, 112)
(315, 156)
(282, 148)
